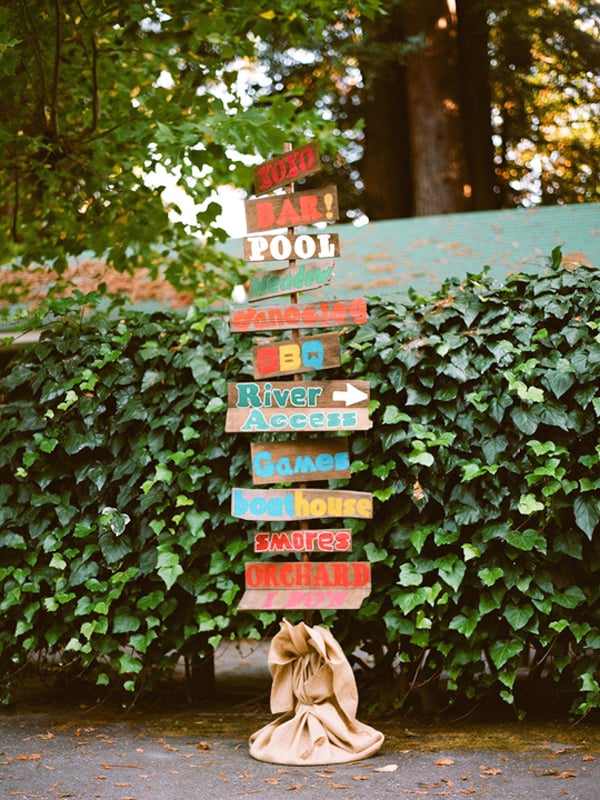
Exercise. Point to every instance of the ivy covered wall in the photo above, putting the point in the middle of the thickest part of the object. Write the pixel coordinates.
(118, 550)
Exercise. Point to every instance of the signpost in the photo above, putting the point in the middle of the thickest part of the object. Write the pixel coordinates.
(297, 406)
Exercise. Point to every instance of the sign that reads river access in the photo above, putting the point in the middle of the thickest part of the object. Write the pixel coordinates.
(301, 584)
(326, 314)
(288, 504)
(289, 210)
(284, 281)
(312, 460)
(287, 356)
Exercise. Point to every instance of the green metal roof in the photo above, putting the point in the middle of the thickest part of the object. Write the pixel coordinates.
(421, 252)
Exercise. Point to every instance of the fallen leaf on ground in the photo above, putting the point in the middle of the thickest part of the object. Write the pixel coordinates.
(387, 768)
(568, 773)
(444, 762)
(589, 758)
(295, 786)
(203, 746)
(337, 786)
(360, 778)
(490, 771)
(29, 757)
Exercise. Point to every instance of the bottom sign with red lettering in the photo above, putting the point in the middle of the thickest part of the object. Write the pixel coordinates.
(306, 584)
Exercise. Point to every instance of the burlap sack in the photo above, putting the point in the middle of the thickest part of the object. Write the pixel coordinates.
(315, 690)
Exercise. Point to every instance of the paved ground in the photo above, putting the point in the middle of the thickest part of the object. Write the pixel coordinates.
(55, 751)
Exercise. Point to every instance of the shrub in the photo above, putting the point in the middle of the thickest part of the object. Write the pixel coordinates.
(119, 552)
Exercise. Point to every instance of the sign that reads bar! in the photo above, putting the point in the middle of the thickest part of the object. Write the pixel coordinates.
(284, 281)
(287, 168)
(313, 460)
(330, 540)
(289, 210)
(289, 504)
(287, 357)
(285, 247)
(326, 314)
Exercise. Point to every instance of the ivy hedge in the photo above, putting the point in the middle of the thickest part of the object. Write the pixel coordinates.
(119, 555)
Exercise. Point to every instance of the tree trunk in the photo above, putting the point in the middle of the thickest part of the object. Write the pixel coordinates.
(440, 183)
(385, 166)
(475, 99)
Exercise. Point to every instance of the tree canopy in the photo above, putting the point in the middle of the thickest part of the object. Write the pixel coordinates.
(95, 96)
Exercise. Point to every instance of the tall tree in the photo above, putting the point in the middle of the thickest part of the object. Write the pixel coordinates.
(95, 96)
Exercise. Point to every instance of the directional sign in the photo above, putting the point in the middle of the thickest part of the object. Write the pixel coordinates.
(287, 168)
(289, 210)
(283, 247)
(302, 584)
(330, 540)
(288, 281)
(337, 313)
(288, 504)
(293, 461)
(288, 357)
(298, 394)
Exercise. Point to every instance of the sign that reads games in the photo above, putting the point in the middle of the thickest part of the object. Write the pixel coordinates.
(313, 460)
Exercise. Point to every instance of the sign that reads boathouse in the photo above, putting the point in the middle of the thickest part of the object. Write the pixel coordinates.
(287, 168)
(284, 281)
(285, 247)
(326, 314)
(302, 584)
(312, 460)
(289, 210)
(289, 357)
(272, 505)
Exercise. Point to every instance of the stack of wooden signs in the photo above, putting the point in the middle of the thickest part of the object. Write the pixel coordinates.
(304, 408)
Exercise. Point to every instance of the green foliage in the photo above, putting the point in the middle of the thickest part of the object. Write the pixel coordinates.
(96, 96)
(119, 551)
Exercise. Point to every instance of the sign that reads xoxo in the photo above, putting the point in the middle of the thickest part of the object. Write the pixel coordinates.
(285, 281)
(287, 357)
(288, 210)
(289, 504)
(287, 168)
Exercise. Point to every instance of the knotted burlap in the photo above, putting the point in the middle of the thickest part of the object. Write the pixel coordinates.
(315, 690)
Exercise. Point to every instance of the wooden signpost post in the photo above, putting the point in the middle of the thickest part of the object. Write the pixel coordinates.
(297, 406)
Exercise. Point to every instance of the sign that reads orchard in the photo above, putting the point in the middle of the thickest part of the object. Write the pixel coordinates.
(290, 504)
(312, 460)
(284, 281)
(326, 314)
(289, 210)
(287, 168)
(301, 584)
(289, 357)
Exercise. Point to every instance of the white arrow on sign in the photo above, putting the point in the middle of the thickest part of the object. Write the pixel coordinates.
(351, 396)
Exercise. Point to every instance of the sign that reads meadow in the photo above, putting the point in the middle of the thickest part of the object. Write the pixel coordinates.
(326, 314)
(312, 460)
(289, 210)
(289, 357)
(289, 504)
(287, 168)
(287, 281)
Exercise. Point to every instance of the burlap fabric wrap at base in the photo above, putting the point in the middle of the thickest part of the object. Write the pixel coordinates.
(315, 690)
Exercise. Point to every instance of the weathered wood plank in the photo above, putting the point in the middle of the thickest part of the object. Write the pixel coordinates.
(331, 314)
(284, 169)
(298, 394)
(290, 357)
(324, 420)
(302, 599)
(296, 461)
(290, 504)
(304, 540)
(283, 247)
(289, 210)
